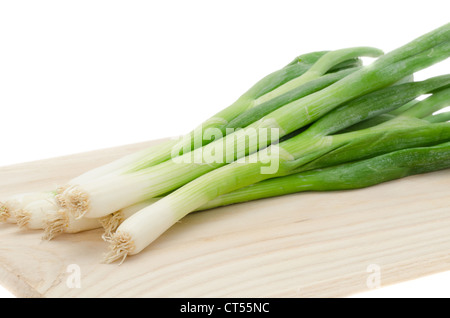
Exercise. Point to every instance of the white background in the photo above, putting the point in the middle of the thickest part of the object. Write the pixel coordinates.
(82, 75)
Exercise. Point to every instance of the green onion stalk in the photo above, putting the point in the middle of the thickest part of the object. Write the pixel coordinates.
(309, 67)
(354, 175)
(334, 61)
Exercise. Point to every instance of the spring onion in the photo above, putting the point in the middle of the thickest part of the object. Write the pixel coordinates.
(45, 214)
(354, 175)
(61, 222)
(9, 208)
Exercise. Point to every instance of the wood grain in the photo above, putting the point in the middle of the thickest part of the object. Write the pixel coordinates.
(305, 245)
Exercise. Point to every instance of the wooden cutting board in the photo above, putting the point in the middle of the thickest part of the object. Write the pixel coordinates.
(331, 244)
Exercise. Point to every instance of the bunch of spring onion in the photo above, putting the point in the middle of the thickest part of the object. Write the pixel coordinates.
(324, 119)
(111, 193)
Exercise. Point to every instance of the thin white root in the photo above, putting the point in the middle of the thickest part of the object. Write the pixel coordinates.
(59, 197)
(55, 225)
(77, 201)
(61, 189)
(121, 245)
(4, 212)
(60, 201)
(22, 218)
(110, 223)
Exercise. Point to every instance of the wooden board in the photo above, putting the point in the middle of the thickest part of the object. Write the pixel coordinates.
(307, 245)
